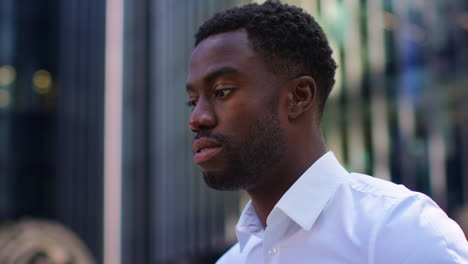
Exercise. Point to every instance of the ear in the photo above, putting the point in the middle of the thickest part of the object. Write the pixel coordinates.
(302, 96)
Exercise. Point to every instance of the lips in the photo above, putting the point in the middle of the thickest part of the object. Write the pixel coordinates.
(204, 149)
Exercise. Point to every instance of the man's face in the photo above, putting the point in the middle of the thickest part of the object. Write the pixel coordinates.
(235, 112)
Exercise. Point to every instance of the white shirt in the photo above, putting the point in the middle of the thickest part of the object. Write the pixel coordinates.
(331, 216)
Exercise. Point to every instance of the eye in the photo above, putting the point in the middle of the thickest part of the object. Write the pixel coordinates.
(221, 93)
(192, 103)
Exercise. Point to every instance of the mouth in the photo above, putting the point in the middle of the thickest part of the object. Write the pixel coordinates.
(205, 149)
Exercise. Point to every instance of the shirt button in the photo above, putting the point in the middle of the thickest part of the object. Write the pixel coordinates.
(272, 251)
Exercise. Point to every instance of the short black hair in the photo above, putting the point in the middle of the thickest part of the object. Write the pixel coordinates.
(284, 35)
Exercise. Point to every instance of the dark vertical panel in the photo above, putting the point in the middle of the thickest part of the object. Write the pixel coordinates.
(187, 218)
(136, 140)
(7, 30)
(460, 101)
(26, 123)
(80, 120)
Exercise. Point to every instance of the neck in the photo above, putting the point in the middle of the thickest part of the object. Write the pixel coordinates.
(282, 176)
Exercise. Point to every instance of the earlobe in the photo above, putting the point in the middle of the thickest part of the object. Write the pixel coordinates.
(301, 96)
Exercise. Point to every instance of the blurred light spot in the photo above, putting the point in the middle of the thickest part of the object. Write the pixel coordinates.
(7, 75)
(4, 98)
(390, 21)
(463, 20)
(42, 81)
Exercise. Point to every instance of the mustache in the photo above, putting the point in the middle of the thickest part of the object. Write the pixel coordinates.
(205, 134)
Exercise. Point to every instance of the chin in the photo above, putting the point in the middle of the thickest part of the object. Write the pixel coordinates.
(223, 181)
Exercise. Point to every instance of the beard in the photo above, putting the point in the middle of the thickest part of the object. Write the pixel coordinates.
(249, 160)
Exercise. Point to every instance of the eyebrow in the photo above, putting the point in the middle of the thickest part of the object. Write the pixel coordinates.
(216, 74)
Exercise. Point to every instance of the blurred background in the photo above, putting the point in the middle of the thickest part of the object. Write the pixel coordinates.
(93, 129)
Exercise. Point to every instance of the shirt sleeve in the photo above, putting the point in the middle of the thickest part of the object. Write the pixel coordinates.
(416, 230)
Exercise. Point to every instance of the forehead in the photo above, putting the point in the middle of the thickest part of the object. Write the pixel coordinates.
(229, 49)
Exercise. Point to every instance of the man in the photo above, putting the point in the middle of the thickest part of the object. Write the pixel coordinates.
(258, 80)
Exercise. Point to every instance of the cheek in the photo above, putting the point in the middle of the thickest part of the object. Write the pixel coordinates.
(240, 112)
(236, 119)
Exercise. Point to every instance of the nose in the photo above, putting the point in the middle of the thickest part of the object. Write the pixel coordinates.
(203, 116)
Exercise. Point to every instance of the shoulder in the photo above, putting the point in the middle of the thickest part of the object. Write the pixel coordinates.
(416, 230)
(376, 196)
(369, 185)
(232, 256)
(407, 226)
(369, 198)
(412, 228)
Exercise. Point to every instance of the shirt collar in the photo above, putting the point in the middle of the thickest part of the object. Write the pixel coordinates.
(248, 225)
(304, 200)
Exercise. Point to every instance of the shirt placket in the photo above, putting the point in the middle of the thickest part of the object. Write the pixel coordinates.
(273, 235)
(273, 255)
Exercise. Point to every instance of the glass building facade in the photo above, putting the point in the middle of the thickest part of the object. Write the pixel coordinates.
(94, 135)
